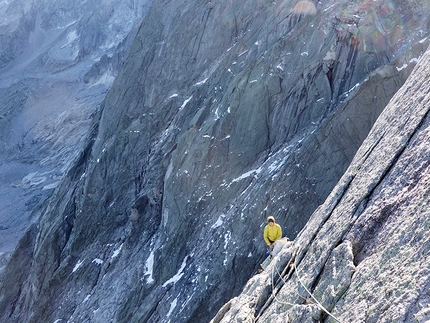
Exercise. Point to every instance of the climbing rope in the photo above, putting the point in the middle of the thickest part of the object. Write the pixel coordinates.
(313, 297)
(273, 286)
(300, 281)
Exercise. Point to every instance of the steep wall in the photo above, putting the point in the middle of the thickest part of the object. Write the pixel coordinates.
(222, 114)
(363, 256)
(58, 58)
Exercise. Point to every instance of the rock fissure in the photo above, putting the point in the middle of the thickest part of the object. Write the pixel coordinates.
(269, 294)
(198, 40)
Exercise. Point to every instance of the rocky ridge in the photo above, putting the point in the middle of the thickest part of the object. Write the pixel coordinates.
(363, 256)
(221, 115)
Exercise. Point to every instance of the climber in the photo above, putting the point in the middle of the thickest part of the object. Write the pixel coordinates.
(272, 232)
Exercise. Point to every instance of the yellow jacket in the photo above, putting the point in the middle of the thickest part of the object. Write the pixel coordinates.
(272, 233)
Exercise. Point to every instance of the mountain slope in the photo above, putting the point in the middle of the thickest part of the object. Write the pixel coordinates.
(221, 115)
(363, 256)
(57, 61)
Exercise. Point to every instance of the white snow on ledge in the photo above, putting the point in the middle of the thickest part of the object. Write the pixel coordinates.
(116, 252)
(179, 274)
(79, 264)
(413, 60)
(172, 307)
(186, 102)
(149, 268)
(201, 82)
(219, 222)
(253, 173)
(98, 261)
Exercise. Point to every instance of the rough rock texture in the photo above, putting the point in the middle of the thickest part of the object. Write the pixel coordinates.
(222, 114)
(57, 61)
(363, 256)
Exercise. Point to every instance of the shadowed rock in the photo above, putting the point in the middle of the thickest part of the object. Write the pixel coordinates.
(221, 115)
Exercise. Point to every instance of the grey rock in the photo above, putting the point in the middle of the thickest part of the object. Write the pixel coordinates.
(362, 255)
(221, 115)
(57, 61)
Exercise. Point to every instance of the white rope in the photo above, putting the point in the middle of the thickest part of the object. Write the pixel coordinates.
(273, 288)
(313, 297)
(307, 290)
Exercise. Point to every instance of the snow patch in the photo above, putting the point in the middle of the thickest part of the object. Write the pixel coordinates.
(116, 252)
(351, 89)
(218, 222)
(227, 238)
(201, 82)
(178, 275)
(97, 261)
(149, 267)
(328, 8)
(78, 264)
(217, 116)
(402, 67)
(68, 25)
(71, 37)
(172, 307)
(253, 173)
(185, 102)
(244, 52)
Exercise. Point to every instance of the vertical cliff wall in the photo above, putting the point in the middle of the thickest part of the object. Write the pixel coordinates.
(222, 114)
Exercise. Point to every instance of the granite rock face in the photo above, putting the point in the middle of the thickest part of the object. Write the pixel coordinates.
(363, 256)
(221, 115)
